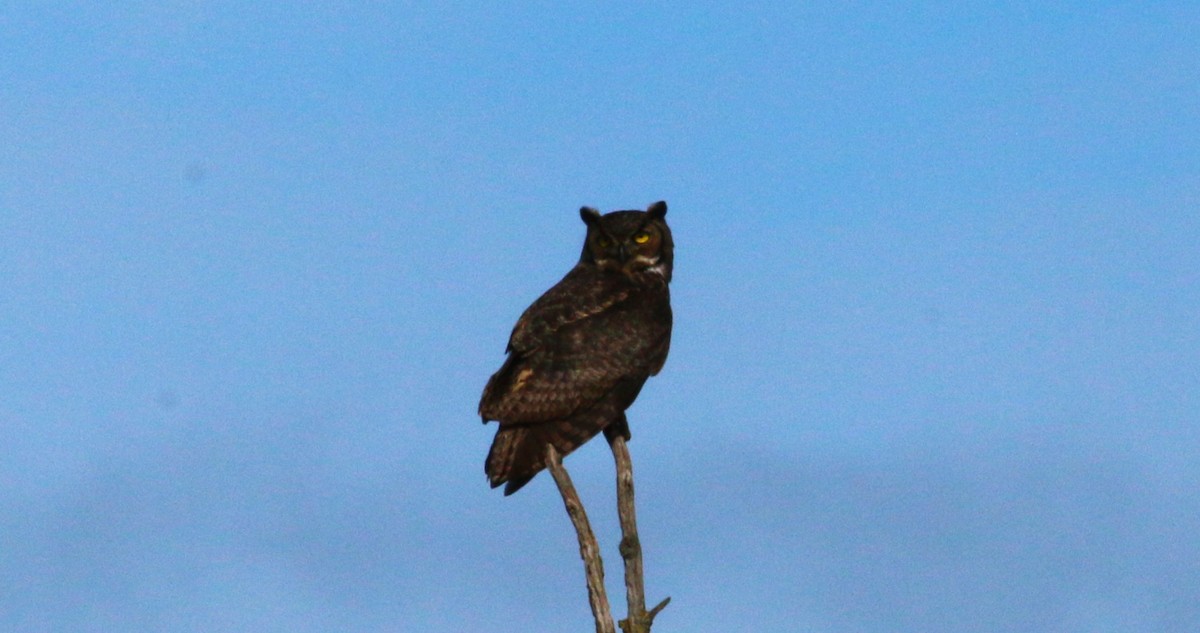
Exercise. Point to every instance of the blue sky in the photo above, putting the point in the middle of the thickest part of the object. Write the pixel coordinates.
(937, 301)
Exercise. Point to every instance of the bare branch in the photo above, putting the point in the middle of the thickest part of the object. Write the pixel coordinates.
(589, 551)
(638, 620)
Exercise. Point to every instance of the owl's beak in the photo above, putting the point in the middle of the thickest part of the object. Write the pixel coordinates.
(622, 254)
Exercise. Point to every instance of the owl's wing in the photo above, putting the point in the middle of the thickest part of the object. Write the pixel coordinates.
(573, 345)
(583, 292)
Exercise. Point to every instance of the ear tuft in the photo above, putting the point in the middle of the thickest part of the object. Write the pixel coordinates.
(589, 215)
(658, 209)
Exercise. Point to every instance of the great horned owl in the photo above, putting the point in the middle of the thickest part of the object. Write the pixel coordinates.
(579, 355)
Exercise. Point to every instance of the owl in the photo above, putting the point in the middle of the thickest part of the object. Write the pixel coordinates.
(579, 355)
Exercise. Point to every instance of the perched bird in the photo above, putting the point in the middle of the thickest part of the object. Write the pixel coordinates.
(579, 355)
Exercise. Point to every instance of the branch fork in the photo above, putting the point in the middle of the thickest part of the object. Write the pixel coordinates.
(639, 620)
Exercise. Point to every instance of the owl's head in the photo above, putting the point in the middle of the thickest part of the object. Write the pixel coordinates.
(629, 241)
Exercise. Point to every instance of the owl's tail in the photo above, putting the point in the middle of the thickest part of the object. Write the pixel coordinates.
(519, 452)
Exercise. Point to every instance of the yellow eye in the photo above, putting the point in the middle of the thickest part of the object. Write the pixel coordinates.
(641, 237)
(603, 242)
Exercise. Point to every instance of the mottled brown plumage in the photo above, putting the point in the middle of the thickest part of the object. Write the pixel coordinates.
(579, 355)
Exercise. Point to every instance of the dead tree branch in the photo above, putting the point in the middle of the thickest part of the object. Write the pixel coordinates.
(638, 619)
(589, 551)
